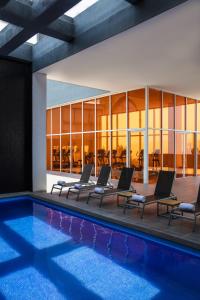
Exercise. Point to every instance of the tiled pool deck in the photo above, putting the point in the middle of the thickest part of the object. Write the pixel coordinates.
(180, 231)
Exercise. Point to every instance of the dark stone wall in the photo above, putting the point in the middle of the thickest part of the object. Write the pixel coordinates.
(15, 126)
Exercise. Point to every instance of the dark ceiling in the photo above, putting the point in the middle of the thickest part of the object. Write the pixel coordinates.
(61, 36)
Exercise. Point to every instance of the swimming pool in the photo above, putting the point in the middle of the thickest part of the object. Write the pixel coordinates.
(51, 253)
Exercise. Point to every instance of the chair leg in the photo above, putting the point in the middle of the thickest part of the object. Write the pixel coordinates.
(157, 209)
(124, 210)
(194, 225)
(142, 213)
(118, 200)
(68, 193)
(60, 191)
(78, 194)
(52, 189)
(88, 198)
(101, 200)
(170, 218)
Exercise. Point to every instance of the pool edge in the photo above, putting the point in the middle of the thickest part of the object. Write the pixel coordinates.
(143, 229)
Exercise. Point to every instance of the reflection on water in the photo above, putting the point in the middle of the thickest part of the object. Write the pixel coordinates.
(134, 253)
(48, 254)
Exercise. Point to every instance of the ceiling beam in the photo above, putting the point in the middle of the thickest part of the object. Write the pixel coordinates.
(133, 1)
(50, 14)
(21, 14)
(8, 32)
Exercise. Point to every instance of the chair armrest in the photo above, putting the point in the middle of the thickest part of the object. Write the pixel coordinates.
(91, 182)
(133, 189)
(173, 196)
(110, 185)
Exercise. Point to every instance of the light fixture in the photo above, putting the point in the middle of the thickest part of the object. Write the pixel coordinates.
(3, 25)
(33, 40)
(79, 8)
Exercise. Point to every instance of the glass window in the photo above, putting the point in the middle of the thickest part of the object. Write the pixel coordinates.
(118, 108)
(102, 114)
(168, 150)
(137, 155)
(155, 104)
(56, 153)
(76, 115)
(76, 153)
(155, 149)
(180, 112)
(88, 149)
(65, 154)
(56, 120)
(136, 109)
(102, 149)
(189, 154)
(198, 115)
(191, 104)
(48, 121)
(65, 115)
(118, 154)
(48, 152)
(198, 154)
(179, 154)
(168, 111)
(155, 157)
(88, 115)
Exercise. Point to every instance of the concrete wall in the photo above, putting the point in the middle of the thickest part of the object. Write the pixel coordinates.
(39, 132)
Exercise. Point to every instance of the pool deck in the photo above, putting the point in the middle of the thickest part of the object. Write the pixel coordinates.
(180, 230)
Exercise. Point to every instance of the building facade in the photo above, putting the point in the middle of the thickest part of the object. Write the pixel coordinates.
(147, 129)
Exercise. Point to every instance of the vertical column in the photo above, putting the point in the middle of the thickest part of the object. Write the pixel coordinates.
(185, 138)
(127, 135)
(70, 130)
(110, 113)
(82, 139)
(146, 144)
(51, 143)
(195, 143)
(60, 141)
(95, 138)
(175, 134)
(39, 132)
(161, 131)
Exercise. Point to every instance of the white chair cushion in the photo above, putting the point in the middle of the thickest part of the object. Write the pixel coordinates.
(99, 190)
(78, 186)
(138, 198)
(60, 182)
(187, 207)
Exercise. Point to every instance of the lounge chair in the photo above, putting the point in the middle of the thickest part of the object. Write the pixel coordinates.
(192, 211)
(102, 182)
(85, 177)
(124, 184)
(163, 190)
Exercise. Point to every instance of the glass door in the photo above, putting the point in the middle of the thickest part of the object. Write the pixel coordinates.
(190, 154)
(136, 153)
(180, 153)
(185, 154)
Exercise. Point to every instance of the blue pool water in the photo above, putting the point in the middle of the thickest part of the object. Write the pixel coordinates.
(50, 254)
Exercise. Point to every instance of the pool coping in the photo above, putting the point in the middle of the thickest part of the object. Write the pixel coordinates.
(110, 219)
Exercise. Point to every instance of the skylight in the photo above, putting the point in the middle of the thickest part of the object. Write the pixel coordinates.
(79, 8)
(33, 40)
(3, 25)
